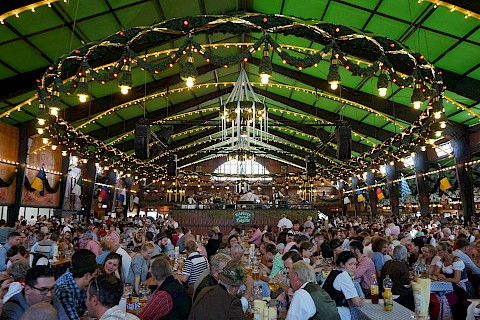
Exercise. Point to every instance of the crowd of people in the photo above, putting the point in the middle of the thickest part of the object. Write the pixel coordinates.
(310, 268)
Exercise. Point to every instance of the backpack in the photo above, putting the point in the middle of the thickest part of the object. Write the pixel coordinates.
(335, 294)
(37, 256)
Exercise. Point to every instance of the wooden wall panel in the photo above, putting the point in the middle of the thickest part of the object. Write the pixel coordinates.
(50, 160)
(202, 221)
(9, 140)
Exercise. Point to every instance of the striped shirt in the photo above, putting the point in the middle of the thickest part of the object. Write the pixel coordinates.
(194, 266)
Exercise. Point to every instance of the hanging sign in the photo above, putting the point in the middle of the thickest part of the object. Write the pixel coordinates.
(243, 217)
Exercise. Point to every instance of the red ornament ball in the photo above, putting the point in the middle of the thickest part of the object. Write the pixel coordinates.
(392, 45)
(77, 51)
(337, 30)
(265, 20)
(185, 23)
(122, 34)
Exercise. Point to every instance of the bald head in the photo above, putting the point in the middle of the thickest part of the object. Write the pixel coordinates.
(40, 310)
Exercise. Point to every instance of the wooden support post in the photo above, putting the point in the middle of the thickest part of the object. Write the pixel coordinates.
(421, 167)
(392, 174)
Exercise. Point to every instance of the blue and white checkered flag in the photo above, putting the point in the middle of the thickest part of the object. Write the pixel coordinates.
(404, 189)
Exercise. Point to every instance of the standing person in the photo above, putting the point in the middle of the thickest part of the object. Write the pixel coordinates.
(139, 267)
(220, 301)
(71, 286)
(194, 265)
(150, 227)
(339, 285)
(103, 296)
(309, 300)
(284, 223)
(170, 300)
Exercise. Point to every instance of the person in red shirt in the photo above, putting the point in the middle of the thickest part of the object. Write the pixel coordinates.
(170, 298)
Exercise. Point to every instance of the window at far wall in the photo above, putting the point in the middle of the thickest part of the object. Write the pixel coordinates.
(444, 149)
(242, 168)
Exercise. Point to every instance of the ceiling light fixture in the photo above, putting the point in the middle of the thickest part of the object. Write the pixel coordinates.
(382, 84)
(82, 91)
(265, 68)
(333, 76)
(189, 73)
(125, 79)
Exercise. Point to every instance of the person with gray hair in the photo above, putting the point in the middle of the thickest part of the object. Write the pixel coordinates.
(309, 300)
(236, 251)
(397, 270)
(217, 263)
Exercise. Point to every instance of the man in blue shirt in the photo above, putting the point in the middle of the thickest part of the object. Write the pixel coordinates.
(13, 239)
(463, 248)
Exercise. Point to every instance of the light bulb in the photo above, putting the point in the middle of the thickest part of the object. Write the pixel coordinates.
(264, 77)
(431, 141)
(64, 153)
(41, 122)
(189, 82)
(417, 105)
(443, 124)
(54, 147)
(437, 115)
(334, 85)
(54, 111)
(382, 92)
(44, 140)
(438, 133)
(82, 98)
(392, 163)
(423, 148)
(40, 131)
(124, 89)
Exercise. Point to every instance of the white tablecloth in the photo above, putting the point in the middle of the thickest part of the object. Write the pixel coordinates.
(376, 312)
(441, 286)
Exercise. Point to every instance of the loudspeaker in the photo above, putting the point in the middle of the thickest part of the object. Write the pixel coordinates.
(142, 138)
(311, 165)
(172, 165)
(343, 138)
(165, 134)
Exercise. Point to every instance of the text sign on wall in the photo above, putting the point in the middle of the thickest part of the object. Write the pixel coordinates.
(242, 217)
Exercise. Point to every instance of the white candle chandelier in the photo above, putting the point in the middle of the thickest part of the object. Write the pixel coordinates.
(244, 121)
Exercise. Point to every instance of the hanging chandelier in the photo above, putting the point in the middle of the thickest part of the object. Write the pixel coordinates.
(244, 120)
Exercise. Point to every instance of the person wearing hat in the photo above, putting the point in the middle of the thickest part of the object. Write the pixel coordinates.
(163, 246)
(71, 286)
(336, 245)
(220, 301)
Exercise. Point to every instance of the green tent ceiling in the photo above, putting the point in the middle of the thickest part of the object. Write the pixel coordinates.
(31, 42)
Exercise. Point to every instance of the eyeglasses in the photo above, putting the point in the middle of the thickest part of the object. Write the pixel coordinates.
(44, 291)
(96, 287)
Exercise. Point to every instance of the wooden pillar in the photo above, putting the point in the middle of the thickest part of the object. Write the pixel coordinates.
(421, 167)
(392, 174)
(459, 139)
(341, 188)
(372, 196)
(25, 131)
(63, 185)
(355, 197)
(89, 188)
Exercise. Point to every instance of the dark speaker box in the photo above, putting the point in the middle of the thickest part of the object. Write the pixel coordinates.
(141, 140)
(172, 165)
(343, 138)
(311, 169)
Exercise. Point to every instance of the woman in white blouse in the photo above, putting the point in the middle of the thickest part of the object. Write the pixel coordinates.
(451, 268)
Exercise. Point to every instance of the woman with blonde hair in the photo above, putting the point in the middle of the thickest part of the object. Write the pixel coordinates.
(429, 258)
